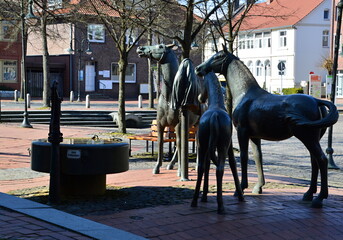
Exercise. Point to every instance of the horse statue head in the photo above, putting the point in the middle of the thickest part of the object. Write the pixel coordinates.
(156, 52)
(217, 63)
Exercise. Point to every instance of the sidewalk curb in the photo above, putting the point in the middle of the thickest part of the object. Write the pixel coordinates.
(74, 223)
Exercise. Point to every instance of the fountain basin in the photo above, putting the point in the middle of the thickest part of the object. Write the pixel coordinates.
(84, 163)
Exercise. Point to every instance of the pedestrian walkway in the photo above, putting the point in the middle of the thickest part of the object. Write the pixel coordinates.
(96, 104)
(278, 213)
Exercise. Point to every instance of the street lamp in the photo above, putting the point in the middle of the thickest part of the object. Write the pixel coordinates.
(329, 150)
(194, 46)
(82, 49)
(33, 19)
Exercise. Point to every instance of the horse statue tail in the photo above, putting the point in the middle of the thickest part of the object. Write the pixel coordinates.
(329, 114)
(184, 90)
(214, 134)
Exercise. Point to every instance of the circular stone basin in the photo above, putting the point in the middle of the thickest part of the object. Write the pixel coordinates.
(84, 162)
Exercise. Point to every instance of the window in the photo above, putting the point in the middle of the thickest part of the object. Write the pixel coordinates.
(267, 68)
(8, 70)
(325, 42)
(96, 33)
(250, 42)
(250, 66)
(241, 41)
(130, 76)
(283, 38)
(131, 36)
(267, 40)
(326, 14)
(258, 40)
(7, 32)
(259, 67)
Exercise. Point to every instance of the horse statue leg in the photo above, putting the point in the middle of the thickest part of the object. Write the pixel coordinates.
(318, 159)
(160, 130)
(172, 162)
(256, 147)
(243, 141)
(206, 183)
(219, 176)
(308, 196)
(178, 148)
(201, 155)
(233, 167)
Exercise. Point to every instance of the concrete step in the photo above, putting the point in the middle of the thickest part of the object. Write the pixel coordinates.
(82, 118)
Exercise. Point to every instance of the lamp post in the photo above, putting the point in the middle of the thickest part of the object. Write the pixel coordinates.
(329, 150)
(194, 46)
(30, 17)
(80, 50)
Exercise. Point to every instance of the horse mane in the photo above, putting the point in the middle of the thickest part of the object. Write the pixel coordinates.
(185, 87)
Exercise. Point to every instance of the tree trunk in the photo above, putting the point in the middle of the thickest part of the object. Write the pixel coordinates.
(151, 84)
(158, 81)
(46, 67)
(122, 64)
(186, 46)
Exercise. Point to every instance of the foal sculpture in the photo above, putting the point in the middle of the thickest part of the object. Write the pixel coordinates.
(179, 88)
(214, 135)
(258, 115)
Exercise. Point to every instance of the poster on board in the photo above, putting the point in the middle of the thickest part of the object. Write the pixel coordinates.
(315, 88)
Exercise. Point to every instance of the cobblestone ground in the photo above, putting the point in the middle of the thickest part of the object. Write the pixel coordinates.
(291, 158)
(288, 158)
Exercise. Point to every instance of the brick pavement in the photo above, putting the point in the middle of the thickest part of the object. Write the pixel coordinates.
(15, 225)
(276, 214)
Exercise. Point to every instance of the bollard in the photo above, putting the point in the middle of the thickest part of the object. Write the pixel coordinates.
(88, 104)
(16, 95)
(140, 101)
(28, 97)
(71, 96)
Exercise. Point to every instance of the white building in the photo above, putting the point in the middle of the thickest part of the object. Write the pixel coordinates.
(294, 32)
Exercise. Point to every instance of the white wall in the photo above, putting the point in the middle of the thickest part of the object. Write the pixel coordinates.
(310, 53)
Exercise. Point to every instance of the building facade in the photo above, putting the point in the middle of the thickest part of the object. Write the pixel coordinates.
(289, 33)
(77, 69)
(10, 57)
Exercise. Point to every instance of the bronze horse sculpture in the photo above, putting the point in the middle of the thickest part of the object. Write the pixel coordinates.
(258, 114)
(214, 135)
(179, 88)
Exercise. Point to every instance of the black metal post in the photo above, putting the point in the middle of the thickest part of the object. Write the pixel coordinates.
(184, 144)
(55, 138)
(79, 78)
(0, 106)
(329, 150)
(25, 123)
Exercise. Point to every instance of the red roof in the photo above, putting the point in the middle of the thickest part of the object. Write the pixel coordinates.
(277, 14)
(86, 7)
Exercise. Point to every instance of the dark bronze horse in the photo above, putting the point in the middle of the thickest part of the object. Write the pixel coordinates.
(179, 88)
(258, 115)
(214, 135)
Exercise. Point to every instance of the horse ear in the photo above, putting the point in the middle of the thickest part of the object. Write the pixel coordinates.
(225, 48)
